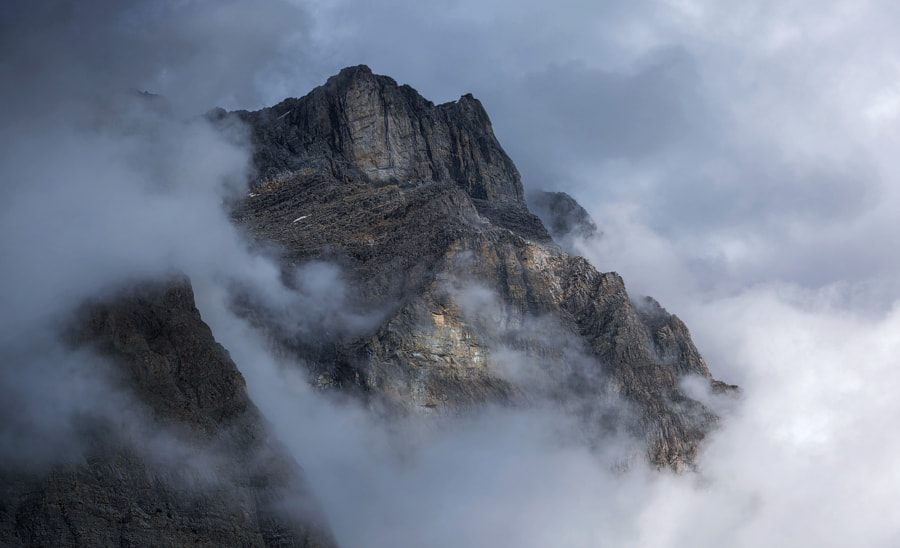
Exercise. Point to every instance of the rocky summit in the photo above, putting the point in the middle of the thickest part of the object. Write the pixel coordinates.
(426, 215)
(431, 291)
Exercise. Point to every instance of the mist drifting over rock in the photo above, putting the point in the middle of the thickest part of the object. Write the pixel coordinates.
(332, 319)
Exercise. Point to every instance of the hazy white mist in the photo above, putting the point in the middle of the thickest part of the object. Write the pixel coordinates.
(740, 160)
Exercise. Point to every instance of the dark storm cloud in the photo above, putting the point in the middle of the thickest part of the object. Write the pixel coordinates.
(100, 181)
(196, 54)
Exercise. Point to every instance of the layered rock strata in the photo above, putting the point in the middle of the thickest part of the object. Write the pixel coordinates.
(425, 213)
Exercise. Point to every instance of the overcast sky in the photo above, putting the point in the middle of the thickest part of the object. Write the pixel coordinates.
(756, 141)
(740, 159)
(756, 138)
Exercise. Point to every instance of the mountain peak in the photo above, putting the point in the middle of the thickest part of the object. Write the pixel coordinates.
(364, 69)
(363, 124)
(421, 206)
(348, 75)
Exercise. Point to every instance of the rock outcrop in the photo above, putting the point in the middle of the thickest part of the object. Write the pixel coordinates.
(460, 298)
(564, 217)
(362, 124)
(200, 470)
(425, 213)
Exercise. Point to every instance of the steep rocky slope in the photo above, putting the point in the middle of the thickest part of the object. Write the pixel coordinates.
(458, 295)
(426, 215)
(565, 219)
(199, 470)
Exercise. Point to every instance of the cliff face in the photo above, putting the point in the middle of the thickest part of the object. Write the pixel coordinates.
(388, 132)
(566, 220)
(425, 212)
(221, 482)
(467, 301)
(364, 125)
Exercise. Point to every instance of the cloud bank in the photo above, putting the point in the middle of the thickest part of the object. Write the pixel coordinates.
(105, 185)
(739, 161)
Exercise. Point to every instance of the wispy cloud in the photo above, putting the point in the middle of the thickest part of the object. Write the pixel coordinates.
(739, 159)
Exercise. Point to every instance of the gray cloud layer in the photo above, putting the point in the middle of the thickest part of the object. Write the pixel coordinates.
(751, 138)
(740, 160)
(103, 185)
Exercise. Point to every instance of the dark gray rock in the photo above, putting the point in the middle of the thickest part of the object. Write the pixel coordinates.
(230, 483)
(423, 210)
(564, 218)
(363, 125)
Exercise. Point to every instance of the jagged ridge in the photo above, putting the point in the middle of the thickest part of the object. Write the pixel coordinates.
(364, 125)
(420, 205)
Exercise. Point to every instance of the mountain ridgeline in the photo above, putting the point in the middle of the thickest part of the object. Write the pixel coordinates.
(436, 294)
(426, 215)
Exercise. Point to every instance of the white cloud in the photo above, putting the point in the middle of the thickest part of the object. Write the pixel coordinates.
(739, 159)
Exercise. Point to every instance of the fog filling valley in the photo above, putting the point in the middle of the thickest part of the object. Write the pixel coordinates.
(738, 160)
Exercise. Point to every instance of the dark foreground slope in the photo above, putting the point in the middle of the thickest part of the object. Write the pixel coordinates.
(197, 468)
(425, 213)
